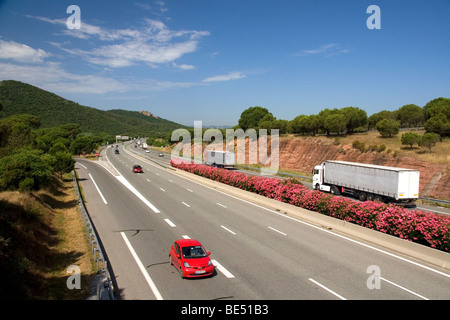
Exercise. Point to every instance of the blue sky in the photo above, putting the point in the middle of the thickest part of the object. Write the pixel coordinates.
(209, 60)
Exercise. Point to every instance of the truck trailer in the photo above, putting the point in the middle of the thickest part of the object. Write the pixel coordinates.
(221, 159)
(367, 181)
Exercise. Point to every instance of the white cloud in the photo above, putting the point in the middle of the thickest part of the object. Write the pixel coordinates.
(225, 77)
(21, 52)
(328, 50)
(152, 44)
(183, 66)
(52, 77)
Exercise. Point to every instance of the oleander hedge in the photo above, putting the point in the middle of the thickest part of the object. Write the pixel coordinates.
(423, 227)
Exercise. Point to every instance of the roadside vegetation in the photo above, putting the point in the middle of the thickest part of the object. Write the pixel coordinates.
(41, 235)
(41, 232)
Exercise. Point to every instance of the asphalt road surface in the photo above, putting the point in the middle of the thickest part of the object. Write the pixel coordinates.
(259, 254)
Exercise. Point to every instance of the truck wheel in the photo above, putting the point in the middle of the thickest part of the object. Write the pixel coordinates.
(378, 198)
(317, 186)
(362, 196)
(334, 190)
(369, 197)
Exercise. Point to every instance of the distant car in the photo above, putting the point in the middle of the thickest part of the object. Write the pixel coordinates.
(116, 151)
(161, 154)
(137, 169)
(190, 259)
(147, 151)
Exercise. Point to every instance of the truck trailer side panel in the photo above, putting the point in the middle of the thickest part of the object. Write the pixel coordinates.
(387, 181)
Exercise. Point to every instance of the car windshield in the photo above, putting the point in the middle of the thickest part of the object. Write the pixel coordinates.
(194, 252)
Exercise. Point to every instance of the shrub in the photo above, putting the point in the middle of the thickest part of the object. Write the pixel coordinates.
(361, 146)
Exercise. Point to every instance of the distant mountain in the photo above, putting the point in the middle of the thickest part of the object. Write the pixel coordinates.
(17, 97)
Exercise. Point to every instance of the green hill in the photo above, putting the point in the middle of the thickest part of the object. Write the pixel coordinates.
(17, 97)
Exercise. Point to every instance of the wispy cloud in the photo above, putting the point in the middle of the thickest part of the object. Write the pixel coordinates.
(21, 52)
(152, 44)
(225, 77)
(328, 50)
(183, 66)
(51, 76)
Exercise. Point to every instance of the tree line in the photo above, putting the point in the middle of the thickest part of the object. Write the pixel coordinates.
(434, 117)
(30, 155)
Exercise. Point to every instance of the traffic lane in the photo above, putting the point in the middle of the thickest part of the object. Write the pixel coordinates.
(361, 281)
(109, 220)
(152, 244)
(152, 155)
(255, 287)
(279, 286)
(230, 290)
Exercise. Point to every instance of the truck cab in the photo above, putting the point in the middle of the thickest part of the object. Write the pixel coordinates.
(318, 179)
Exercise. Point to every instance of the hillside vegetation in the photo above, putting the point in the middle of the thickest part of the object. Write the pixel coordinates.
(21, 98)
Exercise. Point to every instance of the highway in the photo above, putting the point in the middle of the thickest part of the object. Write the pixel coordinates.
(259, 254)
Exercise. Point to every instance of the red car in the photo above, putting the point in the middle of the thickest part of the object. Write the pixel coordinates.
(190, 258)
(137, 169)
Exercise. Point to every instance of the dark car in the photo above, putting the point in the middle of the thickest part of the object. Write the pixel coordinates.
(137, 169)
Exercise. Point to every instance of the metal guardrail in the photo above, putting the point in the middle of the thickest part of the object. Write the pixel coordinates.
(105, 290)
(435, 200)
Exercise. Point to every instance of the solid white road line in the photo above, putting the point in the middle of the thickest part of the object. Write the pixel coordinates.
(99, 192)
(284, 234)
(403, 288)
(222, 269)
(330, 291)
(228, 230)
(142, 268)
(81, 165)
(189, 190)
(221, 205)
(185, 204)
(137, 193)
(170, 223)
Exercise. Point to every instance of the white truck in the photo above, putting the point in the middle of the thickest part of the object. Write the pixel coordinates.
(367, 181)
(221, 159)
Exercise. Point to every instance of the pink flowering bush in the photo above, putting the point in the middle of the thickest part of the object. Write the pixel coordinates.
(414, 225)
